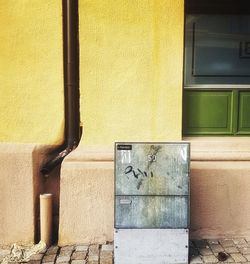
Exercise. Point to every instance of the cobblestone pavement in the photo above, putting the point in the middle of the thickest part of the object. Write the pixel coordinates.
(200, 251)
(220, 251)
(74, 254)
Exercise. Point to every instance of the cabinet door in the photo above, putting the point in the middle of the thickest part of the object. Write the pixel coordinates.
(152, 169)
(151, 211)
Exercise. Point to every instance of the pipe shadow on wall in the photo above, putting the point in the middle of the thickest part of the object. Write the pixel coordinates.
(45, 184)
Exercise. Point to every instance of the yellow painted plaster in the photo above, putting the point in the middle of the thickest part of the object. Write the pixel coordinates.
(131, 58)
(31, 71)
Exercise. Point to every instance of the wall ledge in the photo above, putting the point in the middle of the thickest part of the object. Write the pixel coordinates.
(219, 148)
(202, 149)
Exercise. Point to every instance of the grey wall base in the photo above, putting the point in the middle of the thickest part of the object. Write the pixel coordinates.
(150, 246)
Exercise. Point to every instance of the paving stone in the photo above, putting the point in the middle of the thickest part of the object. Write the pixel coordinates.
(106, 252)
(93, 259)
(231, 250)
(205, 251)
(79, 255)
(66, 248)
(238, 257)
(93, 262)
(210, 259)
(243, 245)
(229, 260)
(33, 262)
(107, 255)
(106, 260)
(239, 241)
(81, 248)
(216, 248)
(36, 257)
(66, 253)
(107, 247)
(193, 251)
(49, 258)
(78, 261)
(48, 263)
(200, 243)
(61, 259)
(52, 250)
(196, 260)
(227, 243)
(212, 241)
(245, 250)
(93, 250)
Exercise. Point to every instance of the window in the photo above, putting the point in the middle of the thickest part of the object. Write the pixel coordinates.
(217, 68)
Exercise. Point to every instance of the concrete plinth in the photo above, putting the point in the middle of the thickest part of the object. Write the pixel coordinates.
(86, 199)
(16, 194)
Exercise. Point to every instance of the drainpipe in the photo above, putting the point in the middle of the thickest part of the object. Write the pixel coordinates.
(72, 130)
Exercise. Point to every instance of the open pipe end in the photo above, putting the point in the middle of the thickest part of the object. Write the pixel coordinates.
(51, 164)
(44, 170)
(55, 161)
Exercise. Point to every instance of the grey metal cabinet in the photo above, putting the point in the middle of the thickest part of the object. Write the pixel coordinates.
(152, 197)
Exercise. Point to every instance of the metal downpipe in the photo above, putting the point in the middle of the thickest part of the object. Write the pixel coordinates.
(72, 130)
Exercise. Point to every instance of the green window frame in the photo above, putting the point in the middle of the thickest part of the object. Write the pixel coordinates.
(216, 100)
(216, 112)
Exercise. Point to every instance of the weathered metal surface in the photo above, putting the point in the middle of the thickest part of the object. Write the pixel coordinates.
(150, 246)
(151, 212)
(152, 168)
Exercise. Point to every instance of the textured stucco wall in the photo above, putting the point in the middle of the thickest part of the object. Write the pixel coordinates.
(31, 107)
(31, 71)
(131, 58)
(220, 200)
(87, 202)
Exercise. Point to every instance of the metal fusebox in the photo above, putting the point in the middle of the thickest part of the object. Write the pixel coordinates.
(151, 203)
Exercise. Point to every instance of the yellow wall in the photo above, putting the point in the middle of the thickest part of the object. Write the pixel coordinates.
(131, 70)
(31, 71)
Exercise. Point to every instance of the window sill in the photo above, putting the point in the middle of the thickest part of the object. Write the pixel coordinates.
(219, 148)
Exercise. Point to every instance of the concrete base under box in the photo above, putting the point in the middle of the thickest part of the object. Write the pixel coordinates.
(147, 246)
